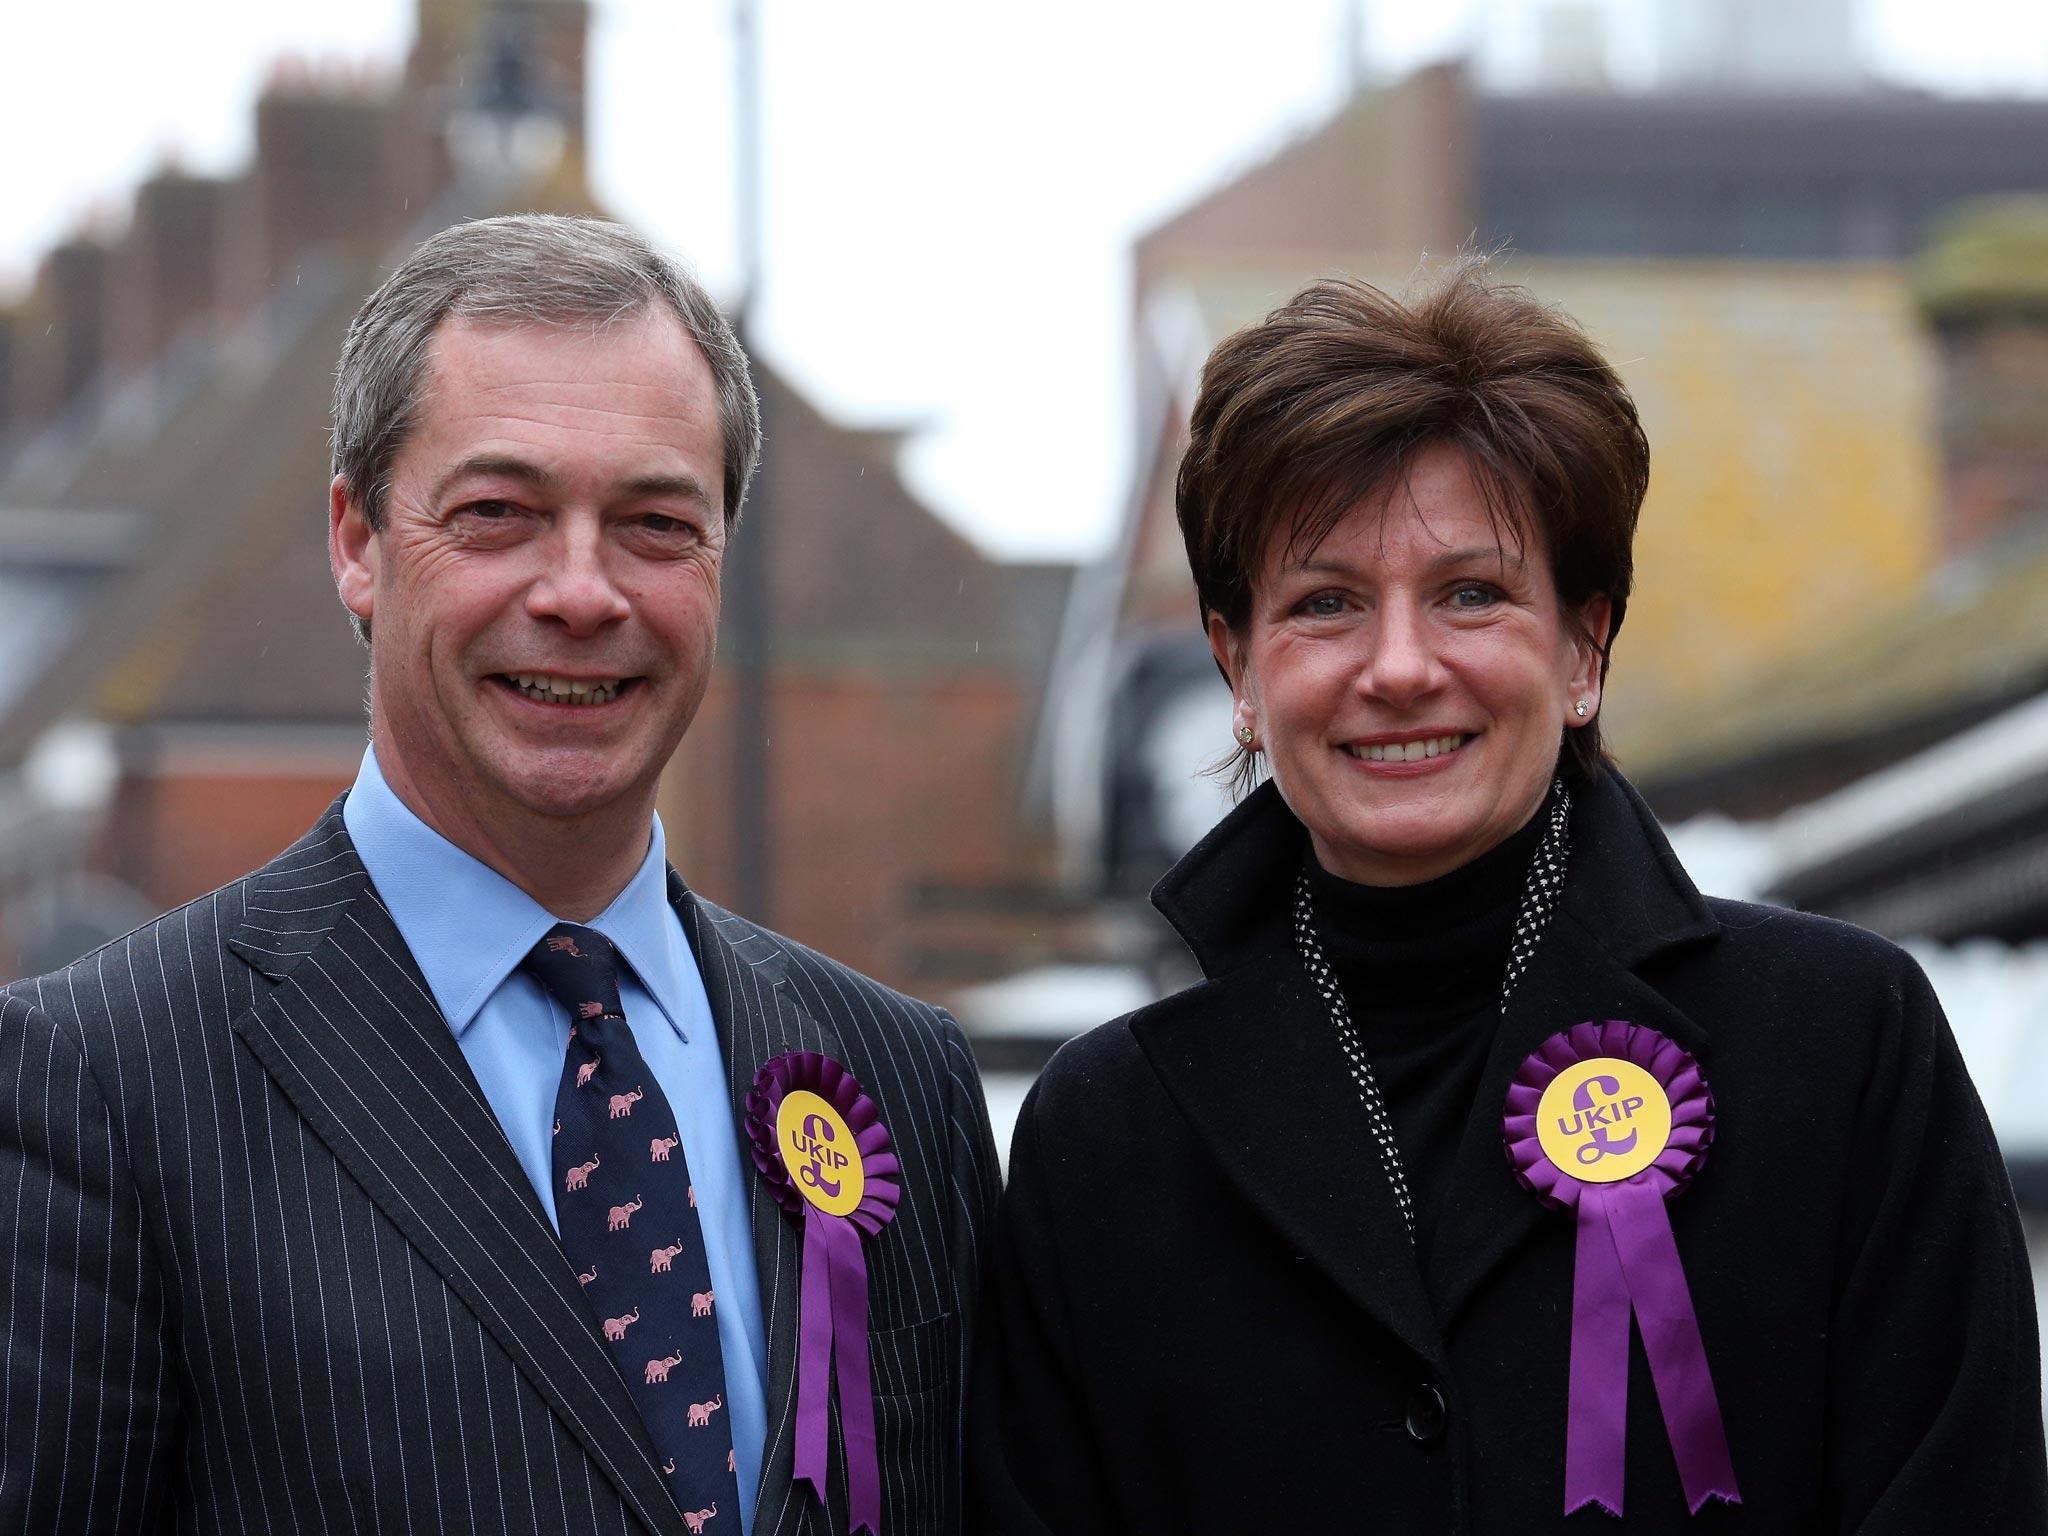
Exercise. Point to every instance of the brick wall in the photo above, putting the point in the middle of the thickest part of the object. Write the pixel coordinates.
(880, 785)
(177, 834)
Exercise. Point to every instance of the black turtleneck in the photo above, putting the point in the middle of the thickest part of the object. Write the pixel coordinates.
(1421, 967)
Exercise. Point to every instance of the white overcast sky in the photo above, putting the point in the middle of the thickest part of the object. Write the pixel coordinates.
(953, 188)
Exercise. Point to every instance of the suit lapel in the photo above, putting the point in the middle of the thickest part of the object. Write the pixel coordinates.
(353, 1038)
(1251, 1061)
(759, 1018)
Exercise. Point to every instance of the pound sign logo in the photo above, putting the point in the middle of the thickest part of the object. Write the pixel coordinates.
(819, 1153)
(1603, 1120)
(1604, 1142)
(816, 1140)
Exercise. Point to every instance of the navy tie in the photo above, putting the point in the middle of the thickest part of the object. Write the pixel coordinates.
(626, 1211)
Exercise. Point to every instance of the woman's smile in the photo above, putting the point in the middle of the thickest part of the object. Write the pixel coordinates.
(1410, 753)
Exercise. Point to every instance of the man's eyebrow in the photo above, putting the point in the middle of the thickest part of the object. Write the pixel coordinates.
(683, 487)
(680, 487)
(486, 465)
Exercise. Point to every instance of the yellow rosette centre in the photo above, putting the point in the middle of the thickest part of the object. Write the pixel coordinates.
(1603, 1120)
(817, 1148)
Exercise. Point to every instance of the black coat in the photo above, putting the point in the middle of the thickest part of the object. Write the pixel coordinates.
(1206, 1316)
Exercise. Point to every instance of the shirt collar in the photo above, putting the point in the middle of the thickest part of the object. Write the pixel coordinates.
(468, 927)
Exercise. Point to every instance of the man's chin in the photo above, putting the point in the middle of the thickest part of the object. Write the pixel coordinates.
(571, 791)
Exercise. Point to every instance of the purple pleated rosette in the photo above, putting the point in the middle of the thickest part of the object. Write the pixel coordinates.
(1607, 1121)
(819, 1142)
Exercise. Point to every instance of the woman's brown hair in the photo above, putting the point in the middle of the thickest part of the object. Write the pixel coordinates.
(1330, 397)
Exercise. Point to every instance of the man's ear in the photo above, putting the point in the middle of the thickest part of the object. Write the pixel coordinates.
(1596, 623)
(351, 551)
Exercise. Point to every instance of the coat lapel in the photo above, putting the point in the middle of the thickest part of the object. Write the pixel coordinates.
(1626, 900)
(352, 1036)
(759, 1018)
(1573, 978)
(1250, 1059)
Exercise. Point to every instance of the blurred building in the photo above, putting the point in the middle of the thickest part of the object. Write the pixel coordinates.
(1831, 303)
(1745, 257)
(1901, 767)
(182, 696)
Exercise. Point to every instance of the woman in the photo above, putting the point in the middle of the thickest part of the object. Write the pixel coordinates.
(1350, 1235)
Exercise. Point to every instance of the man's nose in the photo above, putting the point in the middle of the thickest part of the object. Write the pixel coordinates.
(576, 589)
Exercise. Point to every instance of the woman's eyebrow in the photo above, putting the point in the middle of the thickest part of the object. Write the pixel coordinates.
(1494, 554)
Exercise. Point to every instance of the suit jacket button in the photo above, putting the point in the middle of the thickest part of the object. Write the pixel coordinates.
(1426, 1415)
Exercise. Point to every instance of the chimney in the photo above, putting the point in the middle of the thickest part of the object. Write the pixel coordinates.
(519, 106)
(320, 172)
(558, 40)
(1983, 285)
(167, 273)
(62, 329)
(444, 34)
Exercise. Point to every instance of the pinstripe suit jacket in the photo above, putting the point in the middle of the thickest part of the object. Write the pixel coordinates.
(272, 1266)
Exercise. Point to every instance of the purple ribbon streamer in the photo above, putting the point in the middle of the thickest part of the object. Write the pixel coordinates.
(1628, 1264)
(1596, 1421)
(1670, 1328)
(832, 1329)
(856, 1392)
(814, 1357)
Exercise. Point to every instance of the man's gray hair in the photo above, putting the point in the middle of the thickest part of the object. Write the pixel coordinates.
(527, 268)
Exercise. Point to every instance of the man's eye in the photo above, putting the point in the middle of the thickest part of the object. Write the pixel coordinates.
(491, 511)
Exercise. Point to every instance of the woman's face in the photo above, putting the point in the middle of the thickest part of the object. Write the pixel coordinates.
(1409, 678)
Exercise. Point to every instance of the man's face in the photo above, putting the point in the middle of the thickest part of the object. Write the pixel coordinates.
(543, 593)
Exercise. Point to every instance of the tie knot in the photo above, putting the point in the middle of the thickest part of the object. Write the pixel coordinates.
(580, 970)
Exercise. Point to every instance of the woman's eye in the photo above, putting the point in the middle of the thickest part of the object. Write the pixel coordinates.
(1324, 605)
(1473, 595)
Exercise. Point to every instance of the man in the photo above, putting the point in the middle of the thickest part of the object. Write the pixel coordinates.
(401, 1185)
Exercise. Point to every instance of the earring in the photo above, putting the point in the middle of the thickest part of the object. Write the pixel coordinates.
(1244, 734)
(1579, 709)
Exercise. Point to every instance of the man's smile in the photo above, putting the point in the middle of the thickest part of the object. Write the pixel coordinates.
(556, 690)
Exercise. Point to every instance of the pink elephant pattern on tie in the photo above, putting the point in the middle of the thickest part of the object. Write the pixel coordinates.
(608, 1108)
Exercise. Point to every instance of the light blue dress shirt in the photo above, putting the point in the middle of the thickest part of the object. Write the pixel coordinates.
(468, 927)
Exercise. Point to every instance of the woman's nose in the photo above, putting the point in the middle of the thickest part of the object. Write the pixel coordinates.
(1402, 665)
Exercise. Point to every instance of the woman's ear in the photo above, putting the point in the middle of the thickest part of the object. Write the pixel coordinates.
(1596, 623)
(1223, 645)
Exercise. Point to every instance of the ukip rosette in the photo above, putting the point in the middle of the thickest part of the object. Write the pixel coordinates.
(1608, 1121)
(819, 1141)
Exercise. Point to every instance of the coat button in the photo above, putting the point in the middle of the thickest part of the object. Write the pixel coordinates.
(1426, 1415)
